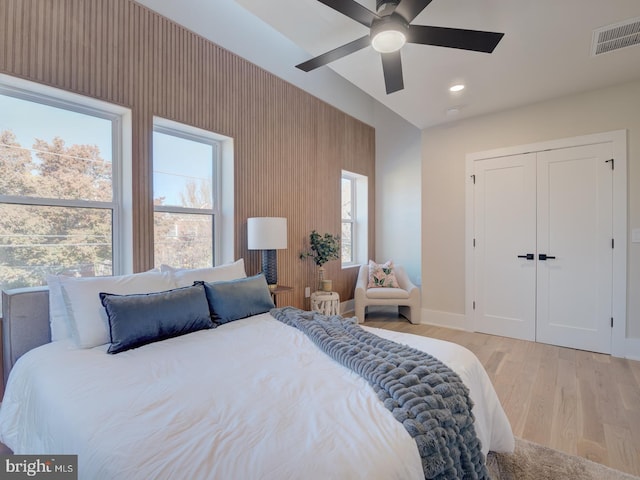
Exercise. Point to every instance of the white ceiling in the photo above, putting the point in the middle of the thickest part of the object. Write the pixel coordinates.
(545, 53)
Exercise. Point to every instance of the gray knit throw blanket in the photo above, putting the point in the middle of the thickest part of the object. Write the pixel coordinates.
(421, 392)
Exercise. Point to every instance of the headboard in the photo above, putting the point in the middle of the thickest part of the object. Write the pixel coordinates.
(25, 323)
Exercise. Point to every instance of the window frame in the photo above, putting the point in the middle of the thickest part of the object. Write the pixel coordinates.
(186, 132)
(120, 118)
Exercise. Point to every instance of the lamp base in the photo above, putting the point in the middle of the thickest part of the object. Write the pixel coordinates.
(270, 267)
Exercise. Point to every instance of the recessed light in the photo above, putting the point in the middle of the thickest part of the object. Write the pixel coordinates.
(456, 88)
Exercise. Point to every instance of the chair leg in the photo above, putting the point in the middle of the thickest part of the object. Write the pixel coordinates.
(411, 314)
(360, 313)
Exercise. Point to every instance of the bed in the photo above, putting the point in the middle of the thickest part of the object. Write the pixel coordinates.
(252, 398)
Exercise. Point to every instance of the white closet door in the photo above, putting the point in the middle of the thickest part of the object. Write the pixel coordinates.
(574, 196)
(505, 228)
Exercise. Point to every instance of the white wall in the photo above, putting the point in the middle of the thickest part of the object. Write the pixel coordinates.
(398, 196)
(443, 184)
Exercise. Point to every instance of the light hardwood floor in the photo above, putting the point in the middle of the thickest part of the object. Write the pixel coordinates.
(581, 403)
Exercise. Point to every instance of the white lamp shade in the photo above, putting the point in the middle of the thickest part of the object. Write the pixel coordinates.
(267, 233)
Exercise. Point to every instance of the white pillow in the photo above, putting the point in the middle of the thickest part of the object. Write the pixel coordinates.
(88, 321)
(58, 317)
(186, 277)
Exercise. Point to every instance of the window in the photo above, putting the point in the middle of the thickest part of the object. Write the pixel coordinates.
(348, 218)
(61, 170)
(354, 237)
(185, 195)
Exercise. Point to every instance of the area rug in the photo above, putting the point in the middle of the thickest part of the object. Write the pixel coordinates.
(531, 461)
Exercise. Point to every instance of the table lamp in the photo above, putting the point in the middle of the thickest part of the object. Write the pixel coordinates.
(268, 234)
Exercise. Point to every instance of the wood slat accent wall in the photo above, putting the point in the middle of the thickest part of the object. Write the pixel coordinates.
(290, 147)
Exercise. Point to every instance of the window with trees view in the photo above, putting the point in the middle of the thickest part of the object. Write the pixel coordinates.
(185, 169)
(59, 203)
(354, 236)
(348, 220)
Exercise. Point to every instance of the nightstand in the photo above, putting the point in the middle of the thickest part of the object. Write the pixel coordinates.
(327, 303)
(279, 290)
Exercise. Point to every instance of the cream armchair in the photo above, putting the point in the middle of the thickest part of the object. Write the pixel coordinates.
(407, 297)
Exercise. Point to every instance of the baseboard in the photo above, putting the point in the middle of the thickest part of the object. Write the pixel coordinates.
(458, 321)
(438, 318)
(632, 348)
(347, 307)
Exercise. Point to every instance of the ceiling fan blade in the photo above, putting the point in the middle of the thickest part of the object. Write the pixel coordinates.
(353, 10)
(410, 9)
(392, 68)
(475, 40)
(335, 54)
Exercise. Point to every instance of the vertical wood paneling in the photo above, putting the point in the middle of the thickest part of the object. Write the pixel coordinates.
(290, 147)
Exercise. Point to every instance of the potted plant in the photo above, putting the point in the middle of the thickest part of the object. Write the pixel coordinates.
(323, 248)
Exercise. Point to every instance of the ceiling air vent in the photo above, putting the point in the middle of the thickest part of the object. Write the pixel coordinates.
(616, 36)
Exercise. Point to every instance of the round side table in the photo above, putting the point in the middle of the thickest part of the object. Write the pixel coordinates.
(327, 303)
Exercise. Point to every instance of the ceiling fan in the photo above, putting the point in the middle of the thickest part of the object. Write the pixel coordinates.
(390, 29)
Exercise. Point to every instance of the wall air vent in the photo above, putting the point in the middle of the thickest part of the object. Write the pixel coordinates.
(616, 36)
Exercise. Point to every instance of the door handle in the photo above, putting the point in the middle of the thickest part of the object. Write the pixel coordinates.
(528, 256)
(544, 256)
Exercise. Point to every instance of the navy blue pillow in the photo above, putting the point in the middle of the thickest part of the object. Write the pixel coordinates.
(236, 299)
(135, 320)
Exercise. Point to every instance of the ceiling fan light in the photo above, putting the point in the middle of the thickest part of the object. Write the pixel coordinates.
(389, 34)
(388, 41)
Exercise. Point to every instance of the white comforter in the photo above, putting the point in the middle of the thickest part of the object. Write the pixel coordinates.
(251, 399)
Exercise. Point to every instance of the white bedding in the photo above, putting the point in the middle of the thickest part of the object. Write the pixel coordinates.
(247, 400)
